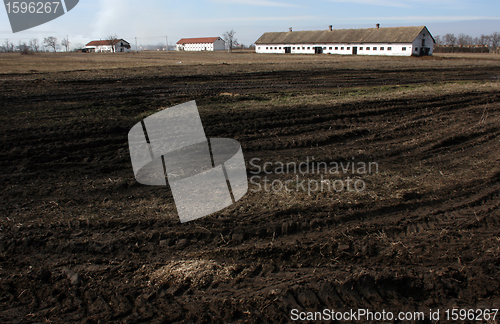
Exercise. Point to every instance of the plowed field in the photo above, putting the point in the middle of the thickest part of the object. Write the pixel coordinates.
(81, 241)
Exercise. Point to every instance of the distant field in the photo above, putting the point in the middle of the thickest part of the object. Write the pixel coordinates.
(58, 62)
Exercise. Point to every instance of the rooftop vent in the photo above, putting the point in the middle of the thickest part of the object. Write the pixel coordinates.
(330, 28)
(290, 29)
(378, 25)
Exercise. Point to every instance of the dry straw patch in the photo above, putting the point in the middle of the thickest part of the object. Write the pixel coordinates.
(195, 272)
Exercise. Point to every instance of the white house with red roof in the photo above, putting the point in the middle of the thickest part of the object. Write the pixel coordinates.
(201, 44)
(117, 45)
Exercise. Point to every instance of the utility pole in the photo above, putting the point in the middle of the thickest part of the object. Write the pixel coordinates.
(136, 44)
(166, 39)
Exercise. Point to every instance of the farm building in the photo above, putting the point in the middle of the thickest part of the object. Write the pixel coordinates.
(118, 45)
(397, 41)
(201, 44)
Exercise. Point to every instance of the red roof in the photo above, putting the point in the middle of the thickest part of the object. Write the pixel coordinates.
(105, 42)
(208, 40)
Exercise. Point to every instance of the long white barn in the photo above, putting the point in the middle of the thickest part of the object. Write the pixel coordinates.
(397, 41)
(200, 44)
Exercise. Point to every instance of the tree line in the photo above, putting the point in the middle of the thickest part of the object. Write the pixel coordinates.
(490, 41)
(34, 45)
(50, 43)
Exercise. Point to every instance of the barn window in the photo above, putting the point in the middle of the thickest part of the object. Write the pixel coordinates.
(267, 47)
(367, 48)
(374, 48)
(308, 47)
(382, 48)
(423, 42)
(280, 47)
(361, 48)
(324, 47)
(348, 48)
(293, 47)
(342, 48)
(275, 47)
(389, 48)
(336, 48)
(404, 48)
(416, 49)
(330, 48)
(303, 48)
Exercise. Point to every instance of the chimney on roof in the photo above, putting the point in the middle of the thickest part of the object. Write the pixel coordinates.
(378, 25)
(330, 28)
(290, 29)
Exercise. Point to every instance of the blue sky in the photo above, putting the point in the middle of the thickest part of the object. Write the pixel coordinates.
(151, 20)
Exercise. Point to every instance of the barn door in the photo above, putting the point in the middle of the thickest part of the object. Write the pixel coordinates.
(318, 50)
(424, 51)
(288, 50)
(354, 50)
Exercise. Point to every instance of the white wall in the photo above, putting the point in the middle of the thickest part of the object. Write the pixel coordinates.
(426, 37)
(387, 49)
(341, 49)
(118, 47)
(200, 47)
(219, 45)
(103, 48)
(280, 48)
(108, 48)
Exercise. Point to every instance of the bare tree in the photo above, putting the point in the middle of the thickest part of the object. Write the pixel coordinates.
(65, 43)
(484, 40)
(33, 44)
(24, 48)
(230, 39)
(7, 47)
(50, 42)
(112, 39)
(469, 40)
(438, 40)
(461, 39)
(464, 40)
(450, 39)
(495, 41)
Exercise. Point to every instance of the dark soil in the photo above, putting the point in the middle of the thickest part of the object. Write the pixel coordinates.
(82, 241)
